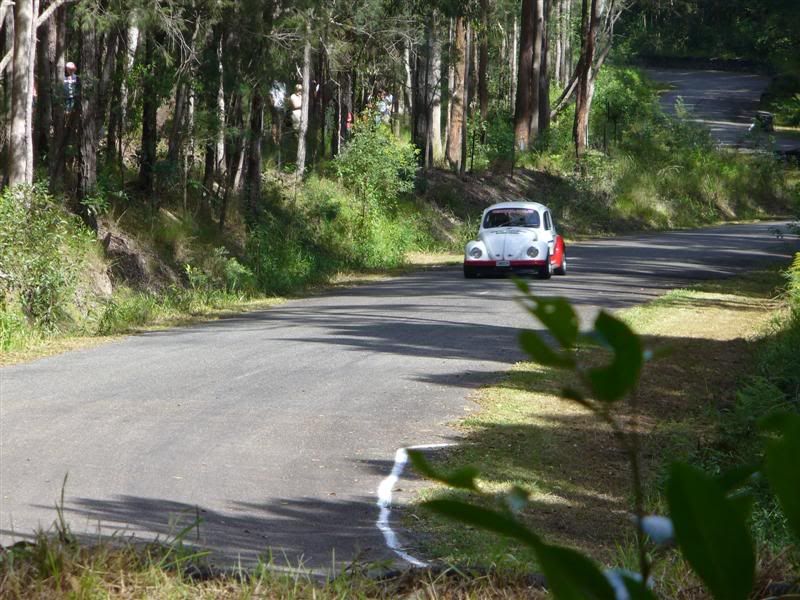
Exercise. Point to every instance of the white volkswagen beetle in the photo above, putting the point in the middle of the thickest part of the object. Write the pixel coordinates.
(516, 237)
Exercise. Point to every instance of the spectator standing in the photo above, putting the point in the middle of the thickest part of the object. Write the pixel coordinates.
(296, 106)
(71, 87)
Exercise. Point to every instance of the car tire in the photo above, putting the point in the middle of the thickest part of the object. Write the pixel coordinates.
(546, 272)
(562, 270)
(470, 272)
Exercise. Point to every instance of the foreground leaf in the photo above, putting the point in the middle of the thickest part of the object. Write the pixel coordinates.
(559, 317)
(486, 519)
(711, 532)
(782, 467)
(612, 382)
(542, 353)
(573, 576)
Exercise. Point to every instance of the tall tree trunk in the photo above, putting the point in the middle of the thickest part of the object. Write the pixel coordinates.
(468, 66)
(456, 125)
(514, 66)
(345, 109)
(132, 43)
(557, 41)
(451, 81)
(44, 101)
(20, 147)
(253, 175)
(569, 62)
(589, 25)
(522, 107)
(149, 123)
(408, 88)
(221, 109)
(175, 143)
(304, 110)
(89, 128)
(536, 72)
(544, 72)
(55, 50)
(435, 129)
(422, 96)
(483, 62)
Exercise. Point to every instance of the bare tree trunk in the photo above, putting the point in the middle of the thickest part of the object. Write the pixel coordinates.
(569, 62)
(132, 39)
(522, 107)
(178, 116)
(253, 176)
(435, 129)
(89, 100)
(536, 73)
(20, 147)
(589, 25)
(149, 124)
(451, 82)
(557, 40)
(514, 66)
(483, 61)
(457, 99)
(544, 72)
(221, 110)
(44, 102)
(465, 118)
(55, 51)
(301, 138)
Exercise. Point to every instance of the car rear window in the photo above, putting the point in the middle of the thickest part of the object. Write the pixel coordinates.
(511, 217)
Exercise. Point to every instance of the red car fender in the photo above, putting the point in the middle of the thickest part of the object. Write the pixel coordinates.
(558, 251)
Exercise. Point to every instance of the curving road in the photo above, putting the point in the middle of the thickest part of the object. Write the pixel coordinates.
(724, 101)
(277, 427)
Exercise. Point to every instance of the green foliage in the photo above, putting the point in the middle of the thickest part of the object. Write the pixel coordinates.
(711, 532)
(377, 167)
(219, 271)
(42, 250)
(324, 230)
(781, 466)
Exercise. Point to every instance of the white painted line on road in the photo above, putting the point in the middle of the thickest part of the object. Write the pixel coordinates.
(385, 502)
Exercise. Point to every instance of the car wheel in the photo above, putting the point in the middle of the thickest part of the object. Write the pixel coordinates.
(470, 272)
(562, 270)
(546, 271)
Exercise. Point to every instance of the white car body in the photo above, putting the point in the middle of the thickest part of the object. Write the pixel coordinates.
(516, 237)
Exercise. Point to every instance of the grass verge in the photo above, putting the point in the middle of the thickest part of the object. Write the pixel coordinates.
(690, 403)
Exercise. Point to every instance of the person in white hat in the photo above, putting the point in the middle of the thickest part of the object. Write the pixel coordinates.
(71, 86)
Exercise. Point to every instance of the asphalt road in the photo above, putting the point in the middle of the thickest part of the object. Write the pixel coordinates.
(724, 101)
(276, 427)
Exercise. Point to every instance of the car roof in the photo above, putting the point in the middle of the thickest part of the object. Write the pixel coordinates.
(519, 204)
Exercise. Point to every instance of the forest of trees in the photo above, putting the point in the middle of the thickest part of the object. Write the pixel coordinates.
(180, 95)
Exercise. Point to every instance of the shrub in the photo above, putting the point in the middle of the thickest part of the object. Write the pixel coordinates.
(377, 167)
(42, 250)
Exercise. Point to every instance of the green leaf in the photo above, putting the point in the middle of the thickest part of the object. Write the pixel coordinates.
(538, 349)
(735, 477)
(711, 533)
(612, 382)
(571, 575)
(463, 478)
(559, 317)
(782, 467)
(485, 519)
